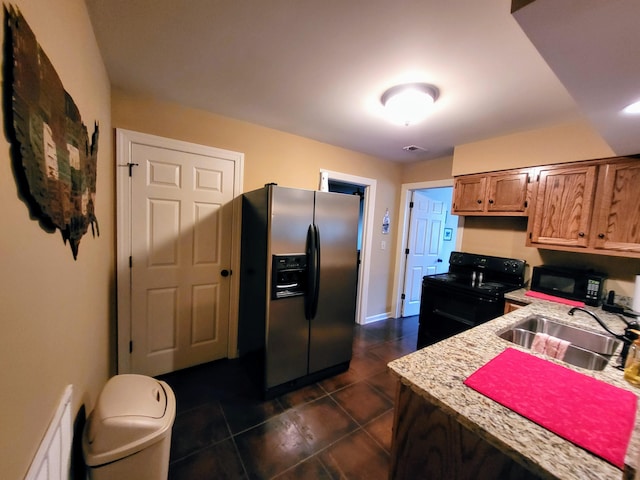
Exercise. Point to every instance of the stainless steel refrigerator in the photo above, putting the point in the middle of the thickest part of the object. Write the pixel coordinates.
(297, 284)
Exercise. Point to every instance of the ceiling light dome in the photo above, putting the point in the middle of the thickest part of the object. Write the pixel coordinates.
(632, 109)
(409, 103)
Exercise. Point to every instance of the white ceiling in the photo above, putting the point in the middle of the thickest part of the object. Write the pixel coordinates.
(317, 68)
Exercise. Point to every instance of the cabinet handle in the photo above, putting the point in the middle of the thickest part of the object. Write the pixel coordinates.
(581, 234)
(490, 201)
(479, 201)
(601, 235)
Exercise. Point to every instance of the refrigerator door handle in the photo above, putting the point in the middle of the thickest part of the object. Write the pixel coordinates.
(313, 272)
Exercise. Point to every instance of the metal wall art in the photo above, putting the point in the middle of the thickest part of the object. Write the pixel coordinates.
(54, 163)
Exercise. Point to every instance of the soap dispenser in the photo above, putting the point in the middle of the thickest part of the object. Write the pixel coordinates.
(632, 363)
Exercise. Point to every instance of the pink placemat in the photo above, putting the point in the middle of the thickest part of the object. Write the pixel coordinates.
(553, 298)
(590, 413)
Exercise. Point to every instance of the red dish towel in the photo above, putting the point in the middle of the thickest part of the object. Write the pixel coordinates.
(590, 413)
(552, 298)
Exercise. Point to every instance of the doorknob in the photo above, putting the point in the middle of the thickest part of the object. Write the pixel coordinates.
(225, 272)
(439, 260)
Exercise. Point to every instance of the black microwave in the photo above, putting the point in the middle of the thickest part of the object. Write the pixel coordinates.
(583, 285)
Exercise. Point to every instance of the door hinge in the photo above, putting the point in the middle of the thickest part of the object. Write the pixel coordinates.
(130, 261)
(406, 251)
(129, 166)
(130, 346)
(530, 235)
(403, 296)
(410, 204)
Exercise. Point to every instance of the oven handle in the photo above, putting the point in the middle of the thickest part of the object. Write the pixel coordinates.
(453, 317)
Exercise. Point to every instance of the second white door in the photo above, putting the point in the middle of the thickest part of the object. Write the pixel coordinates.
(426, 228)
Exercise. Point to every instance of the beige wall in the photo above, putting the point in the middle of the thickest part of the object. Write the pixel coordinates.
(274, 156)
(506, 237)
(57, 313)
(428, 170)
(557, 144)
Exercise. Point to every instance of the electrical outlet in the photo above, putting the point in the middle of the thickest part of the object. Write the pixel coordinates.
(383, 245)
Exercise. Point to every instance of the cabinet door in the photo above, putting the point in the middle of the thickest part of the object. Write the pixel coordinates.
(618, 211)
(508, 192)
(469, 193)
(564, 205)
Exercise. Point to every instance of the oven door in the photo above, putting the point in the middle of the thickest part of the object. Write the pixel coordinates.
(446, 311)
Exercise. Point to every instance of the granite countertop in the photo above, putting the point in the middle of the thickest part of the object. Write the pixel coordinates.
(437, 373)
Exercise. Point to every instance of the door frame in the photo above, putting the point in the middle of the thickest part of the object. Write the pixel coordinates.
(124, 140)
(401, 240)
(369, 199)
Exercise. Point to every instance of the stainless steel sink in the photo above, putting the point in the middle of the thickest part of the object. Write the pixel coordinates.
(587, 349)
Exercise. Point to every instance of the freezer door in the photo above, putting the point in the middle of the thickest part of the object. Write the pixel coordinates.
(331, 334)
(287, 329)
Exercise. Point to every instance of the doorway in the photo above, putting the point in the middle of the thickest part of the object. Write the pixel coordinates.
(351, 189)
(429, 234)
(345, 183)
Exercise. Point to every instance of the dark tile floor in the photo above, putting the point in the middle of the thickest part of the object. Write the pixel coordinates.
(338, 428)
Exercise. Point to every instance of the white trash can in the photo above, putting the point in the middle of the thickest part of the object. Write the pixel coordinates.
(128, 434)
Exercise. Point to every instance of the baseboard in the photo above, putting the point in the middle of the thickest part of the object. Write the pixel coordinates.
(377, 318)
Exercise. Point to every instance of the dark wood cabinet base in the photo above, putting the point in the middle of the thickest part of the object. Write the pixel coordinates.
(430, 444)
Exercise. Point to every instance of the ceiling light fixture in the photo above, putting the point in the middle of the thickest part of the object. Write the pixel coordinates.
(409, 103)
(633, 109)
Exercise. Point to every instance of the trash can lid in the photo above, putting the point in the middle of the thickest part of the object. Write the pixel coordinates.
(131, 413)
(125, 395)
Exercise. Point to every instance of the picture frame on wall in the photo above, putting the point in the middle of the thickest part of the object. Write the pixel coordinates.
(448, 234)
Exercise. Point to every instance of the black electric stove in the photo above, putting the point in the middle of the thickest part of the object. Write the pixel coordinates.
(470, 293)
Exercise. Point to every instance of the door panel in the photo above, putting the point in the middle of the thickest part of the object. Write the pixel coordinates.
(179, 302)
(162, 307)
(618, 215)
(331, 337)
(426, 228)
(563, 206)
(287, 340)
(469, 193)
(163, 217)
(205, 228)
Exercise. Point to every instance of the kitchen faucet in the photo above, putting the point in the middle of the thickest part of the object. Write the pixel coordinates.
(597, 319)
(627, 338)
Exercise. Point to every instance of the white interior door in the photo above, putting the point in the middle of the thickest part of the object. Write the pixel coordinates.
(426, 227)
(180, 243)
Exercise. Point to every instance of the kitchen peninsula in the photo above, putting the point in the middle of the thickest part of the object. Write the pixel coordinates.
(444, 429)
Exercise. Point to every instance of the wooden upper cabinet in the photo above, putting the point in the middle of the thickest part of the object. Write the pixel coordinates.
(508, 192)
(469, 194)
(499, 193)
(564, 206)
(591, 207)
(617, 214)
